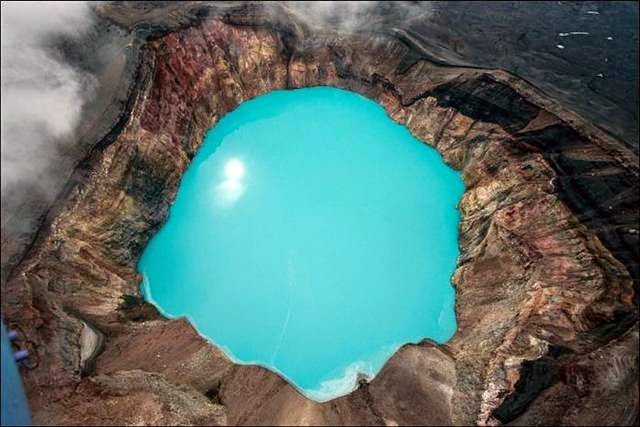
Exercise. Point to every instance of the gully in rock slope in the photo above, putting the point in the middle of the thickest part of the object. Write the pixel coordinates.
(543, 279)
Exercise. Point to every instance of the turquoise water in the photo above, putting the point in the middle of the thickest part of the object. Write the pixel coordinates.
(311, 235)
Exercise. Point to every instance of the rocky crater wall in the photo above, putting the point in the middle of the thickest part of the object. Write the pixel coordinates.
(546, 298)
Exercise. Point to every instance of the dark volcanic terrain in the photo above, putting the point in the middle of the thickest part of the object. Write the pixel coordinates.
(547, 280)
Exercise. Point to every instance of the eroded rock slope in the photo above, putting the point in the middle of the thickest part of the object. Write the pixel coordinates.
(546, 301)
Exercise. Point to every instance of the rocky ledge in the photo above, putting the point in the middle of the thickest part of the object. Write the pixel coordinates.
(546, 281)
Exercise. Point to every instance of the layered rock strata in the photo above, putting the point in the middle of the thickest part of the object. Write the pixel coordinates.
(546, 306)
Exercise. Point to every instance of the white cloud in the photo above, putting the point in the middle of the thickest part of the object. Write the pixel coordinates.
(42, 96)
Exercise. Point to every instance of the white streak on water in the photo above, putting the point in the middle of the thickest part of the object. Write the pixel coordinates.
(559, 46)
(592, 12)
(290, 271)
(573, 33)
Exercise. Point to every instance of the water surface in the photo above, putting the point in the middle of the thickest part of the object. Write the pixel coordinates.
(311, 235)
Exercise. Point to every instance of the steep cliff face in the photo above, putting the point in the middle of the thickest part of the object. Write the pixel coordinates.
(546, 306)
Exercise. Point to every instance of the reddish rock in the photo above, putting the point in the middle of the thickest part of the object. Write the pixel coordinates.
(546, 305)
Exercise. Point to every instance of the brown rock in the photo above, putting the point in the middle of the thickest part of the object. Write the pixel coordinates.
(546, 305)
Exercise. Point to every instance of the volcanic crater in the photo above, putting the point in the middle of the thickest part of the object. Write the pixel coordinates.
(546, 298)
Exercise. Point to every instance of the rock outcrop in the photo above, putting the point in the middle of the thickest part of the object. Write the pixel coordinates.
(546, 297)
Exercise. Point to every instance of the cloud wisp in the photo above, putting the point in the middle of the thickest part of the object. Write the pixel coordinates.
(42, 95)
